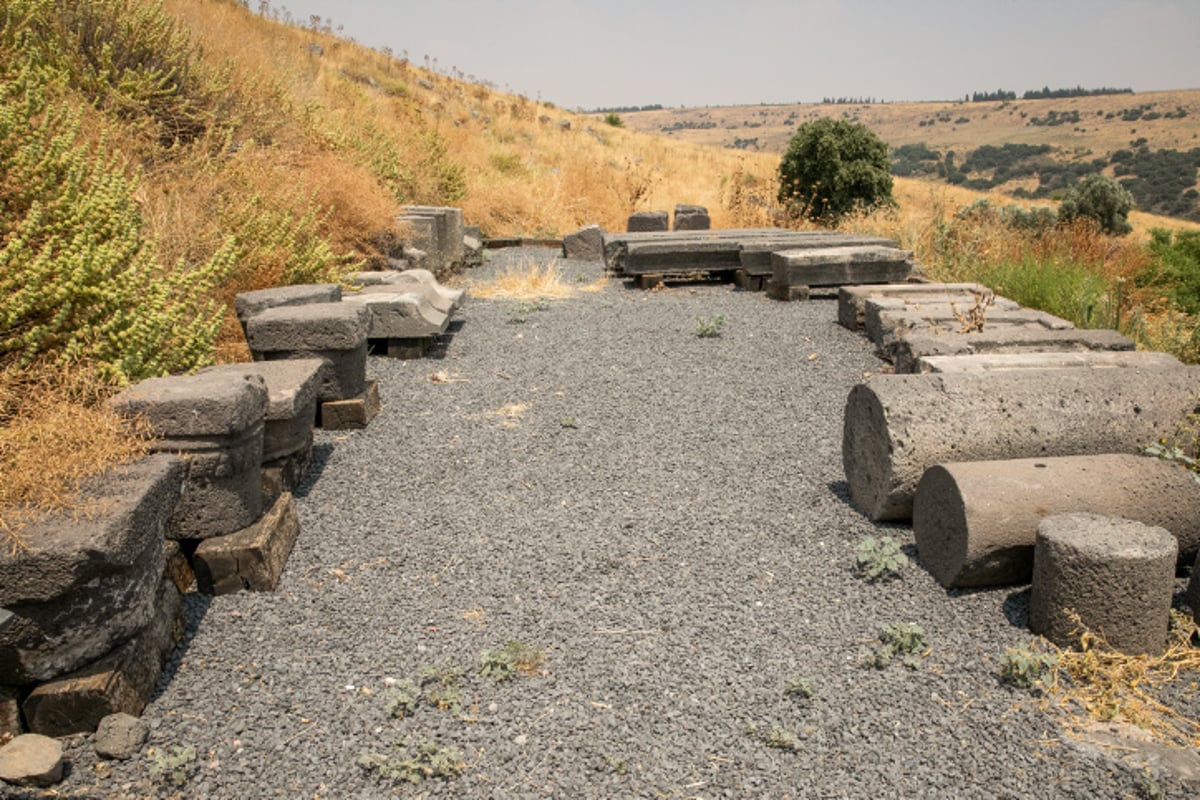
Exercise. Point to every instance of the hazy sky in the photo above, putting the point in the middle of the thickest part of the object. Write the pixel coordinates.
(723, 52)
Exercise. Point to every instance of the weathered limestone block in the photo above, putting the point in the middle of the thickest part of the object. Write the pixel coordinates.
(32, 760)
(253, 558)
(906, 349)
(215, 421)
(647, 221)
(84, 586)
(691, 218)
(121, 681)
(586, 244)
(333, 332)
(353, 413)
(897, 426)
(247, 304)
(1091, 359)
(756, 248)
(398, 314)
(1116, 575)
(837, 266)
(852, 299)
(976, 522)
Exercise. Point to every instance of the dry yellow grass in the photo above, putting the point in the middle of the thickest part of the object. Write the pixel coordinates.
(528, 280)
(54, 435)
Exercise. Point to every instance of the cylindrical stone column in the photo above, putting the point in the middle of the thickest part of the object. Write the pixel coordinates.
(976, 523)
(897, 426)
(1113, 576)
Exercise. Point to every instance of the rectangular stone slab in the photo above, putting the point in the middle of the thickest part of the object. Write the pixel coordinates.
(1090, 359)
(756, 252)
(247, 304)
(252, 558)
(852, 299)
(353, 413)
(616, 245)
(399, 314)
(885, 319)
(837, 266)
(121, 681)
(904, 350)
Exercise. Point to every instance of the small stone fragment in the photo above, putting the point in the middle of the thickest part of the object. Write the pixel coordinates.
(32, 760)
(120, 736)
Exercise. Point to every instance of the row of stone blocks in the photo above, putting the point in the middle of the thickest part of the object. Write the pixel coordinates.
(788, 264)
(687, 218)
(985, 434)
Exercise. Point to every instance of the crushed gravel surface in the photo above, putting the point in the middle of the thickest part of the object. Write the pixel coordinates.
(665, 518)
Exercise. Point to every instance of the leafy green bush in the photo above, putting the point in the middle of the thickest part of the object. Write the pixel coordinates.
(79, 280)
(614, 119)
(1102, 199)
(879, 559)
(833, 167)
(1176, 267)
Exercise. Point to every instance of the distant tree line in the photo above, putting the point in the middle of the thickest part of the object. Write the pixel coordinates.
(1046, 93)
(991, 97)
(850, 101)
(625, 109)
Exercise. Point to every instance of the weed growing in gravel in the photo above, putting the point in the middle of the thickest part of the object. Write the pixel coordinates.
(709, 327)
(414, 760)
(903, 640)
(569, 422)
(402, 698)
(1024, 667)
(776, 736)
(617, 765)
(513, 659)
(879, 559)
(441, 687)
(799, 688)
(172, 767)
(519, 313)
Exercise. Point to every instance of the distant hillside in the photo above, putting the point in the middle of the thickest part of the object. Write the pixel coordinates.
(1149, 139)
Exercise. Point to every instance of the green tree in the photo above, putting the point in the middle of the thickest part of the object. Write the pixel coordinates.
(1102, 199)
(614, 119)
(833, 167)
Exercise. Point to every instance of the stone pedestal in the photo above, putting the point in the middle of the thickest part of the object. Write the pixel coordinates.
(253, 558)
(333, 332)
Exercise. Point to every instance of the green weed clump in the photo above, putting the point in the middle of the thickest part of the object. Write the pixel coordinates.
(710, 327)
(879, 559)
(414, 759)
(902, 640)
(1025, 667)
(80, 282)
(515, 658)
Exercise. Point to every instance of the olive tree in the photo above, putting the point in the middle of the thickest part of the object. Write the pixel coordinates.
(833, 167)
(1102, 199)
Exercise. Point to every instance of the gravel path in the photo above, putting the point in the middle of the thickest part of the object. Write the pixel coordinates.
(665, 517)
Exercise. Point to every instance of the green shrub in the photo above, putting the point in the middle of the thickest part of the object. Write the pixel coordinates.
(79, 280)
(1025, 667)
(833, 167)
(614, 119)
(1176, 267)
(879, 559)
(903, 640)
(1101, 199)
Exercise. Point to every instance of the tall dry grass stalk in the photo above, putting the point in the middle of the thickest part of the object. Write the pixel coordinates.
(528, 280)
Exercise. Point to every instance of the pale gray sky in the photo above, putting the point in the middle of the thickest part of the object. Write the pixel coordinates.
(724, 52)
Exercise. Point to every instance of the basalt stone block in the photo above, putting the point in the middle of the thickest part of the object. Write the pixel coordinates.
(976, 522)
(438, 230)
(887, 320)
(291, 401)
(399, 314)
(852, 299)
(333, 332)
(641, 221)
(251, 559)
(121, 681)
(215, 421)
(897, 426)
(247, 304)
(691, 218)
(756, 249)
(86, 583)
(1114, 576)
(586, 244)
(415, 281)
(352, 413)
(906, 348)
(997, 362)
(838, 266)
(179, 570)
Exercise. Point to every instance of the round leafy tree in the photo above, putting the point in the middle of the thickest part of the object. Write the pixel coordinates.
(1100, 198)
(833, 167)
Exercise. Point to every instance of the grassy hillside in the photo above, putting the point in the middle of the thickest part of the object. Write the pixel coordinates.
(1076, 131)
